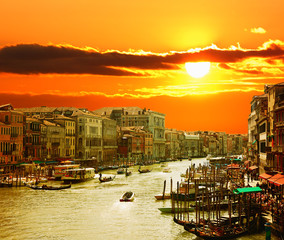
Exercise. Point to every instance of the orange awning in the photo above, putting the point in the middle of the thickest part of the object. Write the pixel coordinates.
(275, 177)
(279, 181)
(253, 167)
(265, 176)
(233, 165)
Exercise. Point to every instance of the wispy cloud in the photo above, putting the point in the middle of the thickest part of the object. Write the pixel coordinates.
(65, 59)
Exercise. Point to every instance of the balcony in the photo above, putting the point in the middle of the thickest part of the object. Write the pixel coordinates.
(279, 124)
(55, 144)
(70, 134)
(279, 148)
(55, 132)
(7, 153)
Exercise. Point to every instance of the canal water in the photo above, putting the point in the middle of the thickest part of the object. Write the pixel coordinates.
(92, 210)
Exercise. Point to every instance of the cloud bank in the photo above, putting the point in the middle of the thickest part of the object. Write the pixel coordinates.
(59, 59)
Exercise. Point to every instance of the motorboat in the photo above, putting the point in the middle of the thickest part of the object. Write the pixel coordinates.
(127, 197)
(78, 175)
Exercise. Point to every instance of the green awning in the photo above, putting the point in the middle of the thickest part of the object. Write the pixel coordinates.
(51, 162)
(38, 162)
(254, 142)
(247, 190)
(237, 159)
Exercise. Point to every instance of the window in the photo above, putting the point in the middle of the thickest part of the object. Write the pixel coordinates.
(262, 147)
(262, 128)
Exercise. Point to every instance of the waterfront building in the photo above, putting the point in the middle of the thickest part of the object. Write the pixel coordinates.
(32, 139)
(69, 127)
(192, 145)
(134, 116)
(172, 150)
(11, 137)
(88, 136)
(275, 95)
(134, 145)
(52, 140)
(258, 132)
(109, 140)
(182, 152)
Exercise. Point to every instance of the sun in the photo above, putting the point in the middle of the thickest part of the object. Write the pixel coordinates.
(197, 69)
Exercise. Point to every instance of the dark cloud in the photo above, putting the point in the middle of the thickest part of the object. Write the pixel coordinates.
(39, 59)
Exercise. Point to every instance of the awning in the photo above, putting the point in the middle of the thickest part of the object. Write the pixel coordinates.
(247, 190)
(233, 166)
(265, 176)
(279, 182)
(275, 177)
(253, 167)
(38, 162)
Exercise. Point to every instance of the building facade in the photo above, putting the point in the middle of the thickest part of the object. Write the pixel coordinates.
(11, 137)
(152, 121)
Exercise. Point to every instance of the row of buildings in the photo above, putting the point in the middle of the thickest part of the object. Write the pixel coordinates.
(266, 129)
(104, 137)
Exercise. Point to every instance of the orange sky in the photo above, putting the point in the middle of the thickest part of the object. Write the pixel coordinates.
(130, 53)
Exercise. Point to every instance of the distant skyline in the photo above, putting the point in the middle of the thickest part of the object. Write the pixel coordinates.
(97, 54)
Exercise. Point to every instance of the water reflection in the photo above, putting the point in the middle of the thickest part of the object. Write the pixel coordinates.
(92, 210)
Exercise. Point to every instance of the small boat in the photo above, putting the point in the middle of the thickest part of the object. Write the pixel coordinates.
(5, 184)
(167, 170)
(146, 170)
(120, 171)
(127, 173)
(127, 197)
(106, 179)
(164, 164)
(224, 230)
(45, 187)
(161, 197)
(173, 210)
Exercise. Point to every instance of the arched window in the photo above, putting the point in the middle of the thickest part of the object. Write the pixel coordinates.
(80, 141)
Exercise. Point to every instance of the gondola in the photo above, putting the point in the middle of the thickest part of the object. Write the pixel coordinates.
(127, 173)
(143, 170)
(127, 197)
(106, 179)
(223, 231)
(120, 171)
(45, 187)
(163, 197)
(173, 210)
(5, 184)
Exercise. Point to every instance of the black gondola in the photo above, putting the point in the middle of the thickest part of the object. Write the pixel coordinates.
(45, 187)
(143, 170)
(106, 179)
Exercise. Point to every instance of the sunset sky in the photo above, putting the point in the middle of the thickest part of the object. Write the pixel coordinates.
(97, 54)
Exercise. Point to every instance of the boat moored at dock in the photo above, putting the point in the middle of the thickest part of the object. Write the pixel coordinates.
(78, 175)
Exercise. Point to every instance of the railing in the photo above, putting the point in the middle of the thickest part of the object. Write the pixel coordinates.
(7, 153)
(55, 132)
(279, 124)
(70, 134)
